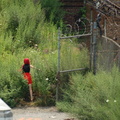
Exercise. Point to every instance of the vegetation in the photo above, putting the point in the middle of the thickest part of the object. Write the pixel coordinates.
(53, 11)
(25, 33)
(92, 97)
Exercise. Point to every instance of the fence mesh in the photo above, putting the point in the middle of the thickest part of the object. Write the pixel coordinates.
(108, 54)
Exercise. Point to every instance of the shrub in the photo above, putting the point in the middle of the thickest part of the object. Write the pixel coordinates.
(26, 34)
(25, 22)
(93, 97)
(53, 11)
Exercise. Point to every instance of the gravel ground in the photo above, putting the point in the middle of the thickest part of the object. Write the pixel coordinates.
(39, 113)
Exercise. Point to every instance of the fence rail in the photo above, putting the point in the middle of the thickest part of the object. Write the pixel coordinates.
(76, 36)
(73, 70)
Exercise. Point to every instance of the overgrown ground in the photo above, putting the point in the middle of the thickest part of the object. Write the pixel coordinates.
(25, 32)
(93, 97)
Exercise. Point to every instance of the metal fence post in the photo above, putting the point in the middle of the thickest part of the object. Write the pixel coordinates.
(105, 30)
(94, 48)
(91, 41)
(58, 69)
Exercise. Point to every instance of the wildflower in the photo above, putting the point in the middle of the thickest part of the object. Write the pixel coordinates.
(47, 79)
(107, 100)
(36, 45)
(115, 101)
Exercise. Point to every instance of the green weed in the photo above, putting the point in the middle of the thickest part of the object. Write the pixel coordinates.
(93, 97)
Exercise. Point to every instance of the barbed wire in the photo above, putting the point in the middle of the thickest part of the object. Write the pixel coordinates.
(81, 26)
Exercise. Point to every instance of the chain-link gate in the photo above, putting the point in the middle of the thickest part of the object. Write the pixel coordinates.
(104, 44)
(90, 32)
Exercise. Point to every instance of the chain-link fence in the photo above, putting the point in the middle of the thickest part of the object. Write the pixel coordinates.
(108, 54)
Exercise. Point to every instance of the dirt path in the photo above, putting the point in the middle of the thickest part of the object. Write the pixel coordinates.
(39, 113)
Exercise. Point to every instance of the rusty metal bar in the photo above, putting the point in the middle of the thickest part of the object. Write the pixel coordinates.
(58, 69)
(76, 36)
(72, 70)
(91, 41)
(94, 48)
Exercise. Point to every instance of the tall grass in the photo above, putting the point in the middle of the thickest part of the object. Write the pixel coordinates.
(25, 21)
(53, 11)
(93, 97)
(44, 81)
(72, 57)
(24, 33)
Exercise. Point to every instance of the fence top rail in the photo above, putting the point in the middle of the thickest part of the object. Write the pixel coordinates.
(75, 36)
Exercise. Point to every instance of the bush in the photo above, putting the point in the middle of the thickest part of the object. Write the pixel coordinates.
(26, 34)
(53, 11)
(10, 88)
(25, 23)
(14, 88)
(93, 97)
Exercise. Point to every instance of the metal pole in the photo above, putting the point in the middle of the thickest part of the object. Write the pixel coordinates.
(91, 40)
(76, 36)
(105, 30)
(73, 70)
(58, 69)
(94, 47)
